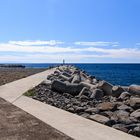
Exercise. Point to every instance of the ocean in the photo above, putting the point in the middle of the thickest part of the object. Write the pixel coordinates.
(117, 74)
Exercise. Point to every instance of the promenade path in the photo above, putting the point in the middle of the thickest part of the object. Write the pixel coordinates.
(70, 124)
(12, 91)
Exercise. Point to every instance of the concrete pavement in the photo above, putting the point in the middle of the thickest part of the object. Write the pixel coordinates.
(14, 90)
(70, 124)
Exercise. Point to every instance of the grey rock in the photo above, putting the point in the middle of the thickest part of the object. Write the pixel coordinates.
(121, 127)
(79, 109)
(124, 95)
(136, 114)
(49, 77)
(84, 98)
(134, 89)
(34, 97)
(76, 79)
(107, 113)
(85, 91)
(122, 115)
(61, 87)
(65, 78)
(106, 106)
(106, 87)
(88, 81)
(67, 95)
(94, 81)
(133, 125)
(126, 120)
(88, 85)
(68, 105)
(67, 101)
(135, 102)
(92, 110)
(85, 115)
(99, 118)
(71, 110)
(136, 131)
(97, 94)
(117, 90)
(57, 71)
(113, 99)
(66, 74)
(126, 88)
(125, 107)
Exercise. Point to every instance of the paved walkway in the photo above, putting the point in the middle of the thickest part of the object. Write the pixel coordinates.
(14, 90)
(72, 125)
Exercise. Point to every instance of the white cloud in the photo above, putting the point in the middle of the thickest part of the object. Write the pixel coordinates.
(97, 43)
(37, 42)
(33, 49)
(29, 52)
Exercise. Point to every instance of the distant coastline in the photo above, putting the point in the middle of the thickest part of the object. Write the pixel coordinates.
(12, 66)
(116, 73)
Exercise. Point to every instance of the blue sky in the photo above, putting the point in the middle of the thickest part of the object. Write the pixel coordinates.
(93, 31)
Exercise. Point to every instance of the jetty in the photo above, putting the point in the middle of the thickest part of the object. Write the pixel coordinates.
(76, 104)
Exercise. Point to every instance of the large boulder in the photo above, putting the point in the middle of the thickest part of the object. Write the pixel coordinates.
(97, 94)
(57, 71)
(117, 90)
(65, 78)
(134, 89)
(85, 91)
(135, 131)
(76, 78)
(88, 81)
(122, 114)
(134, 102)
(136, 114)
(126, 88)
(106, 87)
(61, 87)
(66, 74)
(88, 85)
(124, 95)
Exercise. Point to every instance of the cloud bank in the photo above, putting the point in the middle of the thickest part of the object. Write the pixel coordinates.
(98, 43)
(36, 42)
(54, 51)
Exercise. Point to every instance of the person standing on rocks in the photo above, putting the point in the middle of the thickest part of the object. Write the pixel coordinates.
(63, 61)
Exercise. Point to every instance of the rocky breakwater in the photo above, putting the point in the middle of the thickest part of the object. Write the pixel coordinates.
(75, 91)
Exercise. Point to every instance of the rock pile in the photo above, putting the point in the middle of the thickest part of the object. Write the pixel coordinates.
(75, 91)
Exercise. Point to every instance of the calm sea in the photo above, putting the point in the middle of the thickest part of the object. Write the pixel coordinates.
(117, 74)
